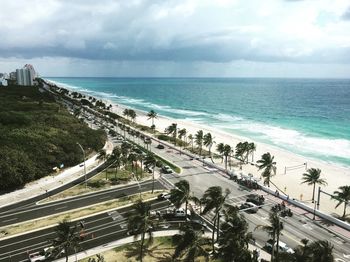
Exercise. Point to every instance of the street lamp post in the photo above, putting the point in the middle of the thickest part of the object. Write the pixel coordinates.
(82, 149)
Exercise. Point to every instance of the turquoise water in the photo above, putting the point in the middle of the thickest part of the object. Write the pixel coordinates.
(310, 117)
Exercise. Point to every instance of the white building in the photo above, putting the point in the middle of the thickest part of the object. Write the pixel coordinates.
(26, 75)
(3, 79)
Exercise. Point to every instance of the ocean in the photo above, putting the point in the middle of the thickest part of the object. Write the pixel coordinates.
(310, 117)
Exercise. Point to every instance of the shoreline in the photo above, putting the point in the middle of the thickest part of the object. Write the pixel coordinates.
(289, 182)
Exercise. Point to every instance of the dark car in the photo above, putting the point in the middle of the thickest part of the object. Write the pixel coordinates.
(256, 199)
(163, 196)
(249, 207)
(160, 146)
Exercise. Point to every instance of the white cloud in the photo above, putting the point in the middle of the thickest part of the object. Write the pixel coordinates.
(178, 31)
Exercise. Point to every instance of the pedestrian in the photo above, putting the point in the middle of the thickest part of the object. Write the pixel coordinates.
(277, 193)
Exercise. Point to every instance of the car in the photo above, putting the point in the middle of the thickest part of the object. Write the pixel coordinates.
(249, 207)
(282, 246)
(163, 196)
(180, 212)
(43, 255)
(167, 170)
(256, 199)
(160, 146)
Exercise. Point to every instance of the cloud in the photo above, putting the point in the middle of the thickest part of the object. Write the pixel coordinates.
(346, 15)
(176, 31)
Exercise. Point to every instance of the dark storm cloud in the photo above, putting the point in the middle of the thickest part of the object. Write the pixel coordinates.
(141, 30)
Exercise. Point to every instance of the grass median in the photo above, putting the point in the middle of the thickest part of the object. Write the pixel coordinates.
(162, 249)
(73, 214)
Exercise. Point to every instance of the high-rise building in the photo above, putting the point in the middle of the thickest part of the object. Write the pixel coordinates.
(26, 75)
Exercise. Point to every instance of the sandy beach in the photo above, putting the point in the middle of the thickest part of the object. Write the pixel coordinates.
(289, 182)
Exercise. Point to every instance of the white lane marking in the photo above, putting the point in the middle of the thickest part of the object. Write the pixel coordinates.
(12, 219)
(58, 208)
(105, 197)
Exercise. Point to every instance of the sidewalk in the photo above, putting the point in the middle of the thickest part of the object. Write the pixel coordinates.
(50, 182)
(127, 240)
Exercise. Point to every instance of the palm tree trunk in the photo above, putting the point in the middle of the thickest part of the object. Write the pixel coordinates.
(186, 205)
(141, 169)
(218, 227)
(277, 244)
(66, 253)
(153, 180)
(213, 237)
(115, 174)
(344, 213)
(273, 249)
(313, 193)
(225, 162)
(141, 245)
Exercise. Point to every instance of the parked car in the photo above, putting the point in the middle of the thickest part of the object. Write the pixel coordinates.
(249, 207)
(282, 246)
(167, 169)
(160, 146)
(163, 196)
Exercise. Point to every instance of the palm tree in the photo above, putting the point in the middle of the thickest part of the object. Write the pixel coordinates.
(312, 177)
(220, 149)
(252, 149)
(234, 237)
(67, 238)
(152, 115)
(116, 158)
(181, 194)
(189, 244)
(151, 162)
(199, 140)
(322, 251)
(182, 133)
(126, 113)
(102, 156)
(132, 158)
(140, 157)
(266, 162)
(172, 129)
(132, 115)
(227, 150)
(190, 137)
(208, 141)
(274, 230)
(140, 223)
(342, 196)
(214, 199)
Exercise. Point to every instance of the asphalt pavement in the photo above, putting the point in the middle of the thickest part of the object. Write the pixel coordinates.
(35, 211)
(99, 229)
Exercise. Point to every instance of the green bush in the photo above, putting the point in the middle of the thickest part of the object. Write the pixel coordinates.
(37, 134)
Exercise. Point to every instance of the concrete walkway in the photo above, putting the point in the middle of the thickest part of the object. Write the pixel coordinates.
(130, 239)
(51, 182)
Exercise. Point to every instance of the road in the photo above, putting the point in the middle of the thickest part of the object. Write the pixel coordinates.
(100, 229)
(34, 211)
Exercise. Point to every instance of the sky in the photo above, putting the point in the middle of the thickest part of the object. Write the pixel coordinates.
(177, 38)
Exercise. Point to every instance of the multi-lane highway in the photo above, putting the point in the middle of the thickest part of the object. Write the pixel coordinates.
(100, 229)
(34, 211)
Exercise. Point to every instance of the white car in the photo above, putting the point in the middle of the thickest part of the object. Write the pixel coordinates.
(42, 255)
(282, 246)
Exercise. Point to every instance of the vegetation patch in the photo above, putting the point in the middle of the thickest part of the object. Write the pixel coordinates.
(162, 249)
(38, 134)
